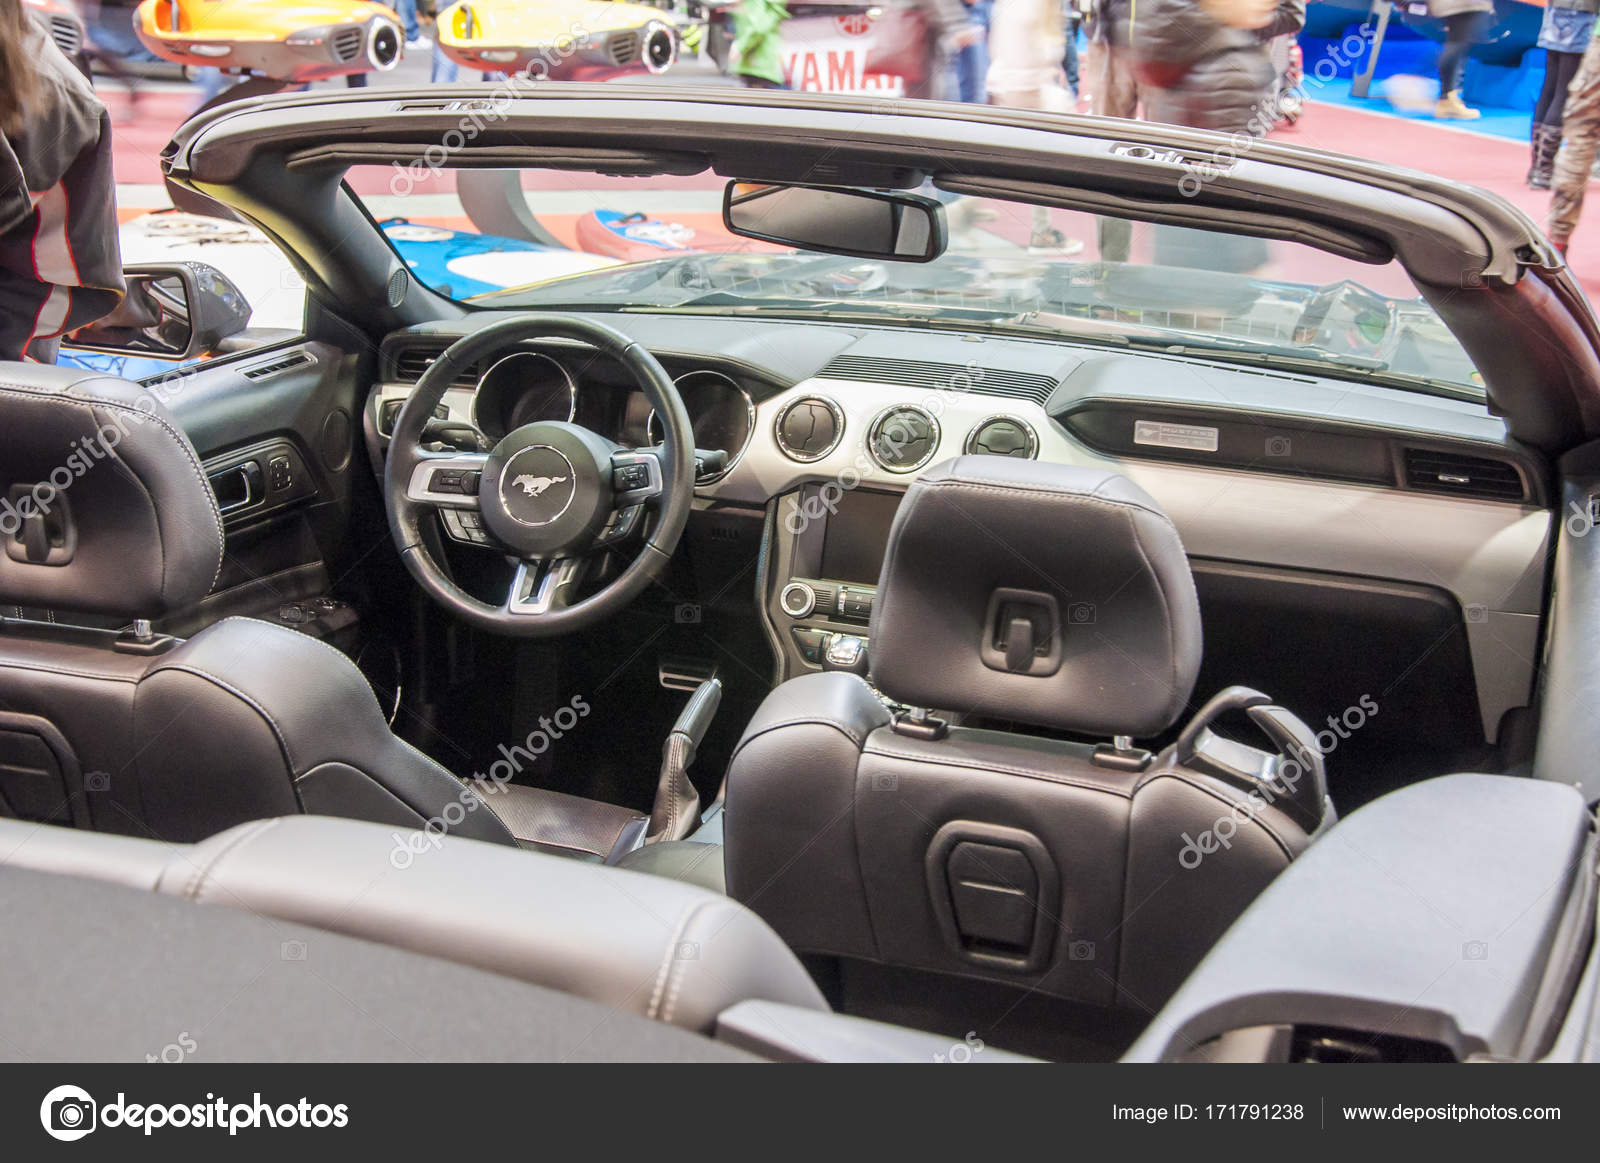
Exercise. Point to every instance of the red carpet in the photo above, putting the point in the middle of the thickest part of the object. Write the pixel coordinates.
(1493, 163)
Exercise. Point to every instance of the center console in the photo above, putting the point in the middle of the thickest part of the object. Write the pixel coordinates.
(823, 580)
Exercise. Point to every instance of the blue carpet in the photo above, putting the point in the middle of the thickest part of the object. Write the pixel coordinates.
(1511, 124)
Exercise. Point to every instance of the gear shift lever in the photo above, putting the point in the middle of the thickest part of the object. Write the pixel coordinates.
(846, 652)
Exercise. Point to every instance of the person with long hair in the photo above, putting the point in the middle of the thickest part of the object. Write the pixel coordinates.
(60, 262)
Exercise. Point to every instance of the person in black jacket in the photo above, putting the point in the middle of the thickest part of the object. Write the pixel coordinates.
(60, 261)
(1205, 62)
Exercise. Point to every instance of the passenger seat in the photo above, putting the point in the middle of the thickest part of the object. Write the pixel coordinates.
(863, 824)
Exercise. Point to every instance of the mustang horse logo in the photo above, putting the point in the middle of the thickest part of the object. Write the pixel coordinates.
(535, 486)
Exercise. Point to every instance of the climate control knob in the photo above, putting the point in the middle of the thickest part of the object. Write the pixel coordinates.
(798, 599)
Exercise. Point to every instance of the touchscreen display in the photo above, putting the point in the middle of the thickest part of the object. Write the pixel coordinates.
(857, 534)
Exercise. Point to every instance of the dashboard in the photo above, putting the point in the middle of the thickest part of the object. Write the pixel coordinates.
(531, 383)
(1257, 468)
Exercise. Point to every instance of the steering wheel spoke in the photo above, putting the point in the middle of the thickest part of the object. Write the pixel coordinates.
(635, 476)
(451, 481)
(545, 586)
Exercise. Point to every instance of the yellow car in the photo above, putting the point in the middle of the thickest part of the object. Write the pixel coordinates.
(291, 41)
(558, 39)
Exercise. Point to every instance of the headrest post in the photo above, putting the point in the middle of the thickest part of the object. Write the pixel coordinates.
(917, 723)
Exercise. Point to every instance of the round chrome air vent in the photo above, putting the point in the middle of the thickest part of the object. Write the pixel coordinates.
(903, 438)
(809, 428)
(1004, 436)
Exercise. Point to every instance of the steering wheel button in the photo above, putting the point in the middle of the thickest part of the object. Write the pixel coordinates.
(628, 477)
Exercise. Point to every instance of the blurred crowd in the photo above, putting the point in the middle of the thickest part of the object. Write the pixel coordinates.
(1207, 63)
(1227, 65)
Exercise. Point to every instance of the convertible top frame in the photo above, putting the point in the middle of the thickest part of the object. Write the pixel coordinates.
(1479, 262)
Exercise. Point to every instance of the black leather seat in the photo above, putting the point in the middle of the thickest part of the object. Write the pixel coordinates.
(142, 735)
(639, 945)
(1047, 595)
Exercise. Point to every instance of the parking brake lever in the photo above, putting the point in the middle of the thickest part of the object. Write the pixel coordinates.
(676, 810)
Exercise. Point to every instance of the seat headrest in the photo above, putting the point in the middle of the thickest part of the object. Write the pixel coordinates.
(1040, 593)
(104, 505)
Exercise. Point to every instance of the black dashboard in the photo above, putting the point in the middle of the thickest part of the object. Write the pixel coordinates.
(535, 382)
(1257, 466)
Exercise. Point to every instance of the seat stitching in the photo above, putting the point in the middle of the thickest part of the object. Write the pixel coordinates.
(665, 968)
(283, 742)
(14, 389)
(9, 665)
(839, 725)
(1254, 818)
(195, 883)
(677, 976)
(344, 658)
(1008, 487)
(1051, 777)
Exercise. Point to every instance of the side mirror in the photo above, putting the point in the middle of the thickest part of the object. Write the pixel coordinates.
(859, 223)
(172, 311)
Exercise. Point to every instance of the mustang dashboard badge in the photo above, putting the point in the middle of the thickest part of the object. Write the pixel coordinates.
(534, 486)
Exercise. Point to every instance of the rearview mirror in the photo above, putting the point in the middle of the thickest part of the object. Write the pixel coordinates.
(171, 311)
(860, 223)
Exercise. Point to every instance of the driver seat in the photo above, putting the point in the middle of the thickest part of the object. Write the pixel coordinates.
(107, 517)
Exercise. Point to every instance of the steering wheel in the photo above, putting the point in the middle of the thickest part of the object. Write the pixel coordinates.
(550, 495)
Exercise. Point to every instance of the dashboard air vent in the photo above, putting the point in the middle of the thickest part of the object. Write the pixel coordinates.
(272, 367)
(1004, 436)
(809, 428)
(1433, 471)
(411, 362)
(955, 377)
(904, 438)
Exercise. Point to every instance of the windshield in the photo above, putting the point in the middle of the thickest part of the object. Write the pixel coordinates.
(583, 241)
